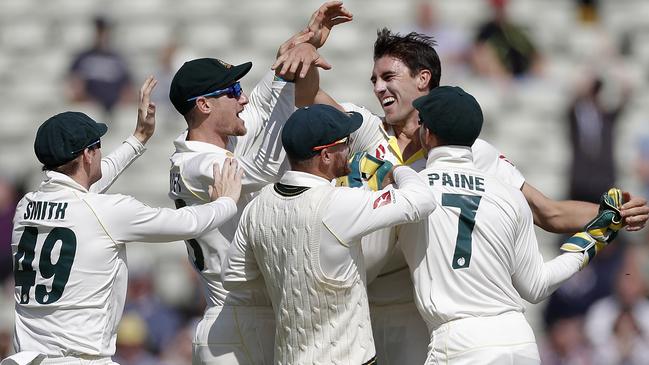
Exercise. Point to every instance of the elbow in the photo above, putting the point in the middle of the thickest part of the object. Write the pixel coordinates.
(536, 299)
(426, 208)
(425, 203)
(537, 295)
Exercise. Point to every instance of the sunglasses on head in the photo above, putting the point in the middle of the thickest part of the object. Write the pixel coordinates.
(340, 141)
(234, 90)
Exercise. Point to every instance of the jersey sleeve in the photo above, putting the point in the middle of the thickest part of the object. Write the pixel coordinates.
(116, 162)
(240, 268)
(260, 150)
(197, 172)
(488, 159)
(354, 213)
(127, 220)
(533, 278)
(369, 134)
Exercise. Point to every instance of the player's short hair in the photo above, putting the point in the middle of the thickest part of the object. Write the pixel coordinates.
(68, 168)
(414, 49)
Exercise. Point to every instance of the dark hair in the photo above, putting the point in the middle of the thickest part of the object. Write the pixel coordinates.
(68, 168)
(415, 50)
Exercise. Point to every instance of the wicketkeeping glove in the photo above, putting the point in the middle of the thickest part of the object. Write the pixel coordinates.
(600, 231)
(583, 242)
(608, 222)
(365, 169)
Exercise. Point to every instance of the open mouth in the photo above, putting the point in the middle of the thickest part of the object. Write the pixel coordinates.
(388, 101)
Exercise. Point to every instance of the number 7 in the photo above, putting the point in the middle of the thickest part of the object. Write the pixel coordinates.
(468, 205)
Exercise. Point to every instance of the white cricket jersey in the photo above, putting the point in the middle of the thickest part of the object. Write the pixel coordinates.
(302, 236)
(261, 156)
(70, 260)
(477, 254)
(388, 276)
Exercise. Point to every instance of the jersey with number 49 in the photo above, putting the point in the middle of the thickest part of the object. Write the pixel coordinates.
(477, 254)
(70, 259)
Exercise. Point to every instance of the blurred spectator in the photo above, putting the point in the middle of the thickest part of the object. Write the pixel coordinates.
(100, 74)
(452, 43)
(131, 342)
(618, 325)
(565, 343)
(6, 348)
(642, 164)
(9, 197)
(592, 122)
(502, 49)
(588, 11)
(594, 282)
(161, 321)
(179, 351)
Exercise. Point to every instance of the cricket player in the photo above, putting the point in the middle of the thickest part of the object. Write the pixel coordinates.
(68, 243)
(301, 237)
(238, 326)
(476, 257)
(407, 67)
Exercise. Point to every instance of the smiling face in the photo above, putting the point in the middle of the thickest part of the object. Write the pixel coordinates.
(396, 89)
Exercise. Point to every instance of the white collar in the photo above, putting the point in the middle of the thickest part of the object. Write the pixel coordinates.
(453, 154)
(53, 181)
(183, 145)
(299, 178)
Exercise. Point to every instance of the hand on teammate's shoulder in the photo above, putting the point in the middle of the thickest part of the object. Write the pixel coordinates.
(227, 181)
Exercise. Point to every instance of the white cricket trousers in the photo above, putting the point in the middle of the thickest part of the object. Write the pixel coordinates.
(235, 335)
(400, 334)
(34, 358)
(503, 340)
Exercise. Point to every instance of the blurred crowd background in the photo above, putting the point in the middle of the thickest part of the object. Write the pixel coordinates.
(564, 85)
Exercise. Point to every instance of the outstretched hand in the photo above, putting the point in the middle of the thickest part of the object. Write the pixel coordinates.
(317, 30)
(145, 111)
(326, 17)
(299, 59)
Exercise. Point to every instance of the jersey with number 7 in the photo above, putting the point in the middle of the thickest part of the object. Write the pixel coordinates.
(477, 254)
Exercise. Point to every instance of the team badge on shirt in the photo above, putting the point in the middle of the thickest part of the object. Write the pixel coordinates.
(504, 158)
(380, 152)
(385, 199)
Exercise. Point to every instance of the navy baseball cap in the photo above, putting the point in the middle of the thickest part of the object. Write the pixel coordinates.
(452, 114)
(62, 137)
(202, 76)
(314, 127)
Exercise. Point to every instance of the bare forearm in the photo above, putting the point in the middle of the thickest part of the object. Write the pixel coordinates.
(306, 89)
(564, 216)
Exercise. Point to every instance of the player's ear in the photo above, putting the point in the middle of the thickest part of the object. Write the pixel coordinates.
(428, 139)
(423, 79)
(325, 155)
(203, 106)
(87, 156)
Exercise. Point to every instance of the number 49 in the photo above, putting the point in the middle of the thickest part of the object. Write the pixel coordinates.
(24, 274)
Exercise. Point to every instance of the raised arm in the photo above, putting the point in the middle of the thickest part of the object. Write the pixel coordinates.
(133, 147)
(301, 60)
